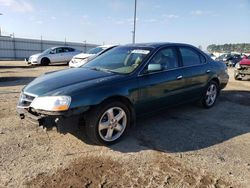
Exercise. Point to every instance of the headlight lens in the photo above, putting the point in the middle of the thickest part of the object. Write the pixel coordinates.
(52, 103)
(237, 66)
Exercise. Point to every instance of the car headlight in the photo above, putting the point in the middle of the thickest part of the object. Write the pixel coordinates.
(237, 66)
(51, 103)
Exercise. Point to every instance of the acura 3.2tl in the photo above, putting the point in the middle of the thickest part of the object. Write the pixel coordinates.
(106, 94)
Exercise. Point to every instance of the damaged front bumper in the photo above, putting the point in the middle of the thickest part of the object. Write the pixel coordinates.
(65, 122)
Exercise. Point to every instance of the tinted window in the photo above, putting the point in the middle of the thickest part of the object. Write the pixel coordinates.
(71, 49)
(203, 59)
(59, 50)
(166, 57)
(189, 56)
(66, 50)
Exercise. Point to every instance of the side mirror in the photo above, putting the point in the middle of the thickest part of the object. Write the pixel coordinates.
(154, 67)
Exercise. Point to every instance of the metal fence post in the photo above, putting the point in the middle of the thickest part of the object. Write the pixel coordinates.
(14, 45)
(41, 43)
(85, 46)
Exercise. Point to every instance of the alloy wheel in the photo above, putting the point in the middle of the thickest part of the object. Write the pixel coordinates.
(211, 94)
(112, 124)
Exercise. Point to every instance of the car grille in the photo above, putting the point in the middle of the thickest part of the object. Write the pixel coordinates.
(25, 100)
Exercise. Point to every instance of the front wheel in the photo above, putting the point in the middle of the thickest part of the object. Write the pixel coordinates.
(45, 61)
(107, 123)
(210, 96)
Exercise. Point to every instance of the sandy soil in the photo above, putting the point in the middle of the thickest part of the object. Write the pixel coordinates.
(185, 146)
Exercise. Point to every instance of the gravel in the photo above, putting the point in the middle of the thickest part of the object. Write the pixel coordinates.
(184, 146)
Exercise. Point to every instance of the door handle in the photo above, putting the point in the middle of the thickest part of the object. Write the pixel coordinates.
(208, 71)
(179, 77)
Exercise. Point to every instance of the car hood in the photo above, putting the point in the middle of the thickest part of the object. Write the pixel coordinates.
(82, 56)
(56, 81)
(245, 62)
(36, 55)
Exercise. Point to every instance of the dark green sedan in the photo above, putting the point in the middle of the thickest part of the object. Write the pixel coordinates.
(106, 94)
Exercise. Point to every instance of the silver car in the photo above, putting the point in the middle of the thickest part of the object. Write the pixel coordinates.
(53, 55)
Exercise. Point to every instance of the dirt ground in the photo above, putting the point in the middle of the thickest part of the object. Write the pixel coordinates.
(185, 146)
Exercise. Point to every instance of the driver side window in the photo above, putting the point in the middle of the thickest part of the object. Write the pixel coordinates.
(59, 50)
(166, 58)
(53, 51)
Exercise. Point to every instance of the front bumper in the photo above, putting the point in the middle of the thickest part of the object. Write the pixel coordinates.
(31, 62)
(65, 122)
(242, 71)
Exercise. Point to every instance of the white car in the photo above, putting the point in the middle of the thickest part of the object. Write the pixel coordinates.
(212, 56)
(53, 55)
(83, 58)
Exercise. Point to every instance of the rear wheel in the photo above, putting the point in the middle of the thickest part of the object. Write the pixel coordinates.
(45, 61)
(107, 123)
(210, 96)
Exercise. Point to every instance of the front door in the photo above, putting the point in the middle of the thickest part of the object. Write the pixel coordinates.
(57, 56)
(163, 87)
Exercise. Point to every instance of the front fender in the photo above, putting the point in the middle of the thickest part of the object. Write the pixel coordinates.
(96, 95)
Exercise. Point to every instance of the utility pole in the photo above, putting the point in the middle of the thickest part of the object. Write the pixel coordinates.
(41, 43)
(134, 22)
(14, 45)
(0, 27)
(85, 46)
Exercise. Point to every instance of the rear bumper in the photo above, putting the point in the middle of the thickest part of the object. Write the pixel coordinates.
(65, 122)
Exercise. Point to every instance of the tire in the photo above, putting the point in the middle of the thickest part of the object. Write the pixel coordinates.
(210, 95)
(45, 61)
(237, 76)
(101, 128)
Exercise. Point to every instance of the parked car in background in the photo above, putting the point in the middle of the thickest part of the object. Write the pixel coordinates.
(82, 58)
(107, 93)
(53, 55)
(242, 69)
(231, 61)
(223, 57)
(212, 56)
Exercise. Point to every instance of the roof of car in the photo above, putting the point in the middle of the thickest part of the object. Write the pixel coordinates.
(156, 44)
(60, 47)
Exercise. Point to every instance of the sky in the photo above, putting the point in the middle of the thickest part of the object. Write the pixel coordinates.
(197, 22)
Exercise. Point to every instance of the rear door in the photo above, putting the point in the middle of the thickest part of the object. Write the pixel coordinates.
(161, 88)
(195, 71)
(68, 54)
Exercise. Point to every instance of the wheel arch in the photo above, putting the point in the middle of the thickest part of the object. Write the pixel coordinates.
(45, 58)
(215, 79)
(126, 101)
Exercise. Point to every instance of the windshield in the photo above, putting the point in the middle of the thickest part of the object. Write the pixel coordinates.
(47, 51)
(95, 50)
(122, 60)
